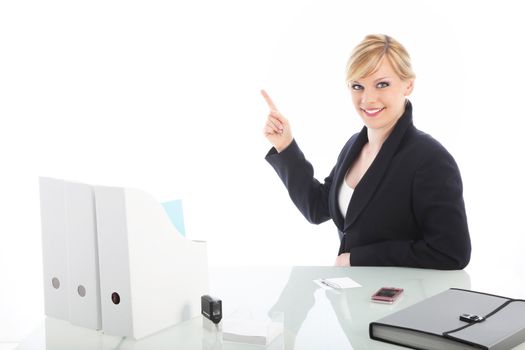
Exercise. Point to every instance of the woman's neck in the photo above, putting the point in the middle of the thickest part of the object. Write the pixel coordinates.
(376, 137)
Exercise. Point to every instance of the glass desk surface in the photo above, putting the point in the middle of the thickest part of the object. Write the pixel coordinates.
(314, 317)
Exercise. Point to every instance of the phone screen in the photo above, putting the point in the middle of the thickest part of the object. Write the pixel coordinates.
(387, 292)
(387, 295)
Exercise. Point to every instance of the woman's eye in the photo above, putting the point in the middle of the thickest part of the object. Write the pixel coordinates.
(382, 85)
(356, 87)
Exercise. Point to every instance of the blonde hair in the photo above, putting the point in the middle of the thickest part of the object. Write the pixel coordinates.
(366, 56)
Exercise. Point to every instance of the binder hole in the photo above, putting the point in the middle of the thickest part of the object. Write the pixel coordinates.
(55, 282)
(115, 298)
(81, 291)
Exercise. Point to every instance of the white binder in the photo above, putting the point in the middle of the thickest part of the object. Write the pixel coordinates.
(54, 247)
(84, 289)
(150, 277)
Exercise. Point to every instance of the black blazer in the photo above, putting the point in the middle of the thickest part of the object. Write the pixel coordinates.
(407, 210)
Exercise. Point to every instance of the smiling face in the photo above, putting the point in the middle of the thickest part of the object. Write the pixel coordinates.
(380, 97)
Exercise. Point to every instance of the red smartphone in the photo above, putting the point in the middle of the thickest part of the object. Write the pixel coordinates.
(387, 295)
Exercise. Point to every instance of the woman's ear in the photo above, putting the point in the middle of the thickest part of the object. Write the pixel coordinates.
(410, 87)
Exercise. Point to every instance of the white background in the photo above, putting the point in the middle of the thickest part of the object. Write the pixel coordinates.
(164, 96)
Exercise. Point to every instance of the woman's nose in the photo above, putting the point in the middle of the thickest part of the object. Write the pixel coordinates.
(368, 97)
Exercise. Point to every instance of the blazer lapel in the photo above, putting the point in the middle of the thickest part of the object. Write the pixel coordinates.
(350, 153)
(366, 188)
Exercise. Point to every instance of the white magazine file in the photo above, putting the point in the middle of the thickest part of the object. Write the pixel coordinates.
(84, 283)
(114, 261)
(150, 276)
(54, 247)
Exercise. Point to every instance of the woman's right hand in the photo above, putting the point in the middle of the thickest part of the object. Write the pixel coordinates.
(277, 129)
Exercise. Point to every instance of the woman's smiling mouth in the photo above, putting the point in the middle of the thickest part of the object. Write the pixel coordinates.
(372, 112)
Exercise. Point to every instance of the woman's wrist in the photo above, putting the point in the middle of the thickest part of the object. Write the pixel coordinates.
(281, 148)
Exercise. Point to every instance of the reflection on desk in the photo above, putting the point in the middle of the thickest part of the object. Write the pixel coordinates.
(352, 307)
(314, 318)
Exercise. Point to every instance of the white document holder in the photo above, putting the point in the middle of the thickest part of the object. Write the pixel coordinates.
(84, 289)
(54, 247)
(150, 277)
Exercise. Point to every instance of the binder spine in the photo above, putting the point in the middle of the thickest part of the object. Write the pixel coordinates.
(84, 290)
(54, 247)
(115, 290)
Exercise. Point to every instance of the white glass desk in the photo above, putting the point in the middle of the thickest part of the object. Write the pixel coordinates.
(314, 318)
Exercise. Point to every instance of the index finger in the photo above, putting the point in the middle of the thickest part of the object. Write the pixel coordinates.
(268, 100)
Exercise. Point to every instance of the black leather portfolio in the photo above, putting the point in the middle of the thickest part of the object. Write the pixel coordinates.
(456, 319)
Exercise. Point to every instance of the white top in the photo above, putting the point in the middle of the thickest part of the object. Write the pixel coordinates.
(345, 194)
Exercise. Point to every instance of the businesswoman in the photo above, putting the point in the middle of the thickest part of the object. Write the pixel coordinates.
(395, 193)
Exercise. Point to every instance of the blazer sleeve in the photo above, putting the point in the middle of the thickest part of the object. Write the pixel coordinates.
(439, 211)
(307, 193)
